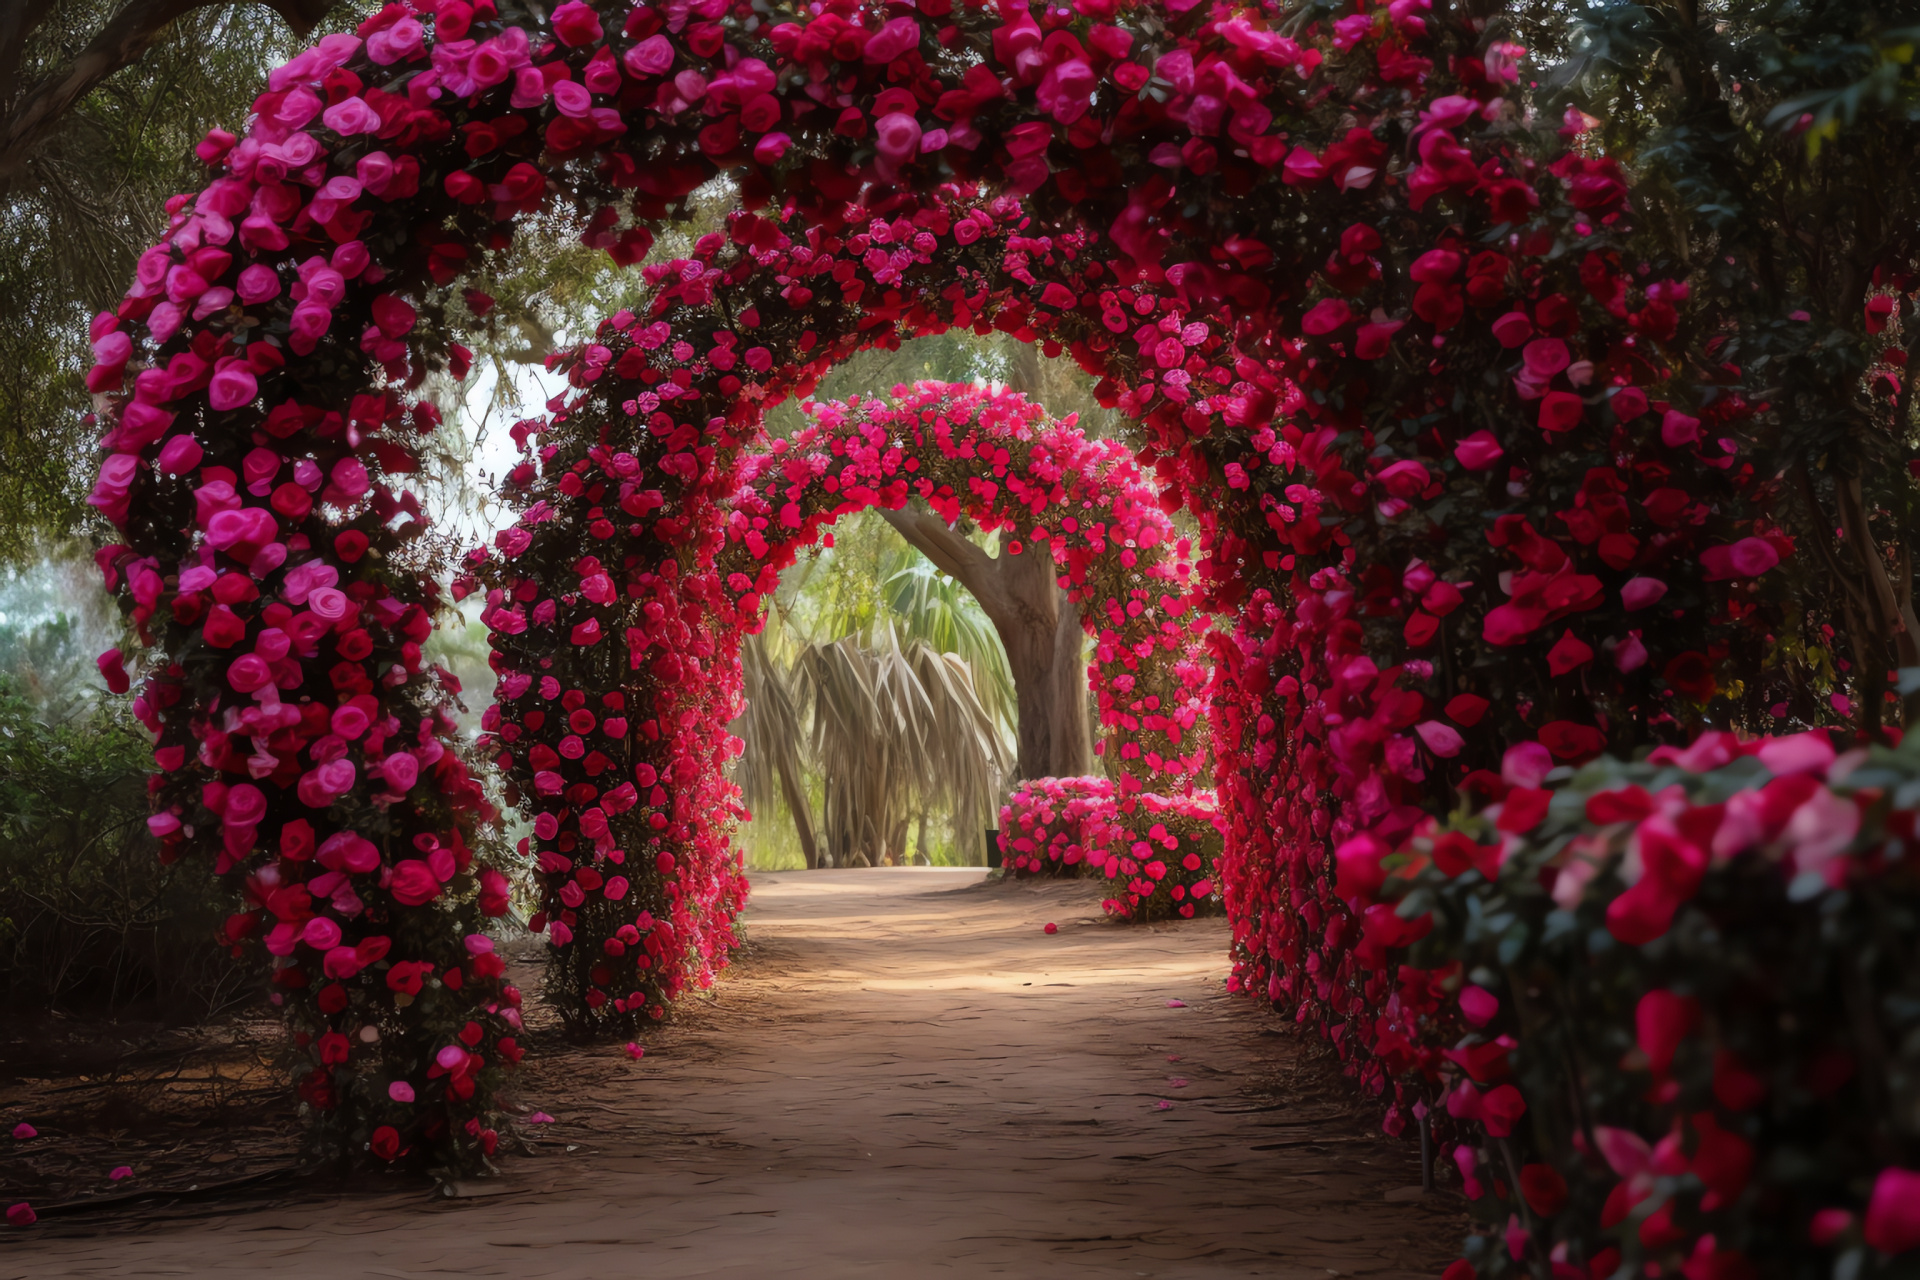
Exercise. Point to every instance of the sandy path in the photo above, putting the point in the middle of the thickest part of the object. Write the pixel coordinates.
(905, 1077)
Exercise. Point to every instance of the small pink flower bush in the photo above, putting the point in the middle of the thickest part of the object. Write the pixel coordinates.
(1158, 853)
(1047, 823)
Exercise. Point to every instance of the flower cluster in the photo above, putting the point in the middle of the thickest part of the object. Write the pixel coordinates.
(1158, 852)
(1715, 943)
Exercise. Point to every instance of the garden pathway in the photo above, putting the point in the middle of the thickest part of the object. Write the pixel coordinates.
(905, 1076)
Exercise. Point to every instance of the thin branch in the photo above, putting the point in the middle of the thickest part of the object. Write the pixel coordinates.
(121, 43)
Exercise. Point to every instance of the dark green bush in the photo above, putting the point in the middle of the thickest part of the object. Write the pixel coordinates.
(90, 922)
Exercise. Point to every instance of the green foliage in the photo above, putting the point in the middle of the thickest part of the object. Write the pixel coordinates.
(89, 919)
(1773, 145)
(91, 198)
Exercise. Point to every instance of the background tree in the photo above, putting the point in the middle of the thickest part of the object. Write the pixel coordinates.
(1773, 147)
(879, 687)
(100, 106)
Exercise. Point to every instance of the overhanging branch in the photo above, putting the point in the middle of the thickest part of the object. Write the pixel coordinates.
(32, 114)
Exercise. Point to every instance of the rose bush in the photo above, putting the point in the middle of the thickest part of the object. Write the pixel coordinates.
(1672, 1007)
(1160, 853)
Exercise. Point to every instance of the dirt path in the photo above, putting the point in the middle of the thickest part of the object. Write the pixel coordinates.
(905, 1077)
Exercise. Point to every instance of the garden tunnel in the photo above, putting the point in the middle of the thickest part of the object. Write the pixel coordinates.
(1349, 323)
(700, 538)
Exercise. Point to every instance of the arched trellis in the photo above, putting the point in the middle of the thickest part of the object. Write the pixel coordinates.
(1361, 303)
(645, 467)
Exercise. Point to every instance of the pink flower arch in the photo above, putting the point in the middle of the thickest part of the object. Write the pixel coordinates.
(1449, 452)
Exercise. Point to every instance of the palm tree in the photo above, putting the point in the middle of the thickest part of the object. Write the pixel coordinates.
(897, 730)
(900, 710)
(772, 768)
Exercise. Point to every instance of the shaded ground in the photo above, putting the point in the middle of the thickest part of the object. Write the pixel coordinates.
(904, 1076)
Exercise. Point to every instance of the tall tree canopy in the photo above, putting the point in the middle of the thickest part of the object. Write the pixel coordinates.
(101, 103)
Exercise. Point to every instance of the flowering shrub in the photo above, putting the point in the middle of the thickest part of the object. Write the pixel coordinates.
(1671, 1007)
(1047, 824)
(1450, 447)
(1159, 852)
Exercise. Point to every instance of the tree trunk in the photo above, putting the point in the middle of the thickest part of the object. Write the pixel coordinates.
(31, 114)
(796, 797)
(1040, 630)
(1879, 615)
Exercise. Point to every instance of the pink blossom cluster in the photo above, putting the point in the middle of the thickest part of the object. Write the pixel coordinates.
(1738, 1045)
(1158, 852)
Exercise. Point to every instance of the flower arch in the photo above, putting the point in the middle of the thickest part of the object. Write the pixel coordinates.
(1351, 290)
(648, 463)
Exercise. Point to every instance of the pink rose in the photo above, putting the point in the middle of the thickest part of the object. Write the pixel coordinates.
(1893, 1213)
(1478, 451)
(1747, 558)
(897, 136)
(413, 884)
(1640, 593)
(1545, 357)
(351, 116)
(1676, 429)
(233, 384)
(113, 670)
(321, 934)
(327, 604)
(651, 57)
(349, 852)
(1525, 764)
(401, 770)
(1325, 316)
(575, 24)
(249, 672)
(572, 99)
(246, 805)
(348, 481)
(1443, 740)
(179, 455)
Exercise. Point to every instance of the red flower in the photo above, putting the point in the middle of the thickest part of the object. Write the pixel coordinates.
(1544, 1189)
(1691, 674)
(385, 1143)
(1570, 741)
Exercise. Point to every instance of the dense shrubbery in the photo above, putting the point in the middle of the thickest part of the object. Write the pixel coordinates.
(90, 921)
(1159, 853)
(1673, 1008)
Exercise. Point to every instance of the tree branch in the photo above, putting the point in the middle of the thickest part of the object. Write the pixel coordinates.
(955, 556)
(32, 115)
(1822, 533)
(1899, 628)
(18, 20)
